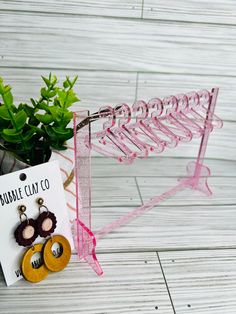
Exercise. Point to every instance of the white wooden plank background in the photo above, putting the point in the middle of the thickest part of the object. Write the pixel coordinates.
(124, 50)
(133, 283)
(186, 221)
(221, 12)
(202, 282)
(112, 44)
(95, 88)
(121, 8)
(158, 167)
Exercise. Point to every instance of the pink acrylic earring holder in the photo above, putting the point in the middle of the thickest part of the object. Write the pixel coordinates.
(131, 133)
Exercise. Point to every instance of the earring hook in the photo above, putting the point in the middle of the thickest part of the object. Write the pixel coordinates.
(40, 202)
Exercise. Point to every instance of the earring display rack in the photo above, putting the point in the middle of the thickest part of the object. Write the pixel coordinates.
(136, 132)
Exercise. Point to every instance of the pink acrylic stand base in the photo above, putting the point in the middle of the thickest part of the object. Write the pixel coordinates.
(198, 182)
(86, 246)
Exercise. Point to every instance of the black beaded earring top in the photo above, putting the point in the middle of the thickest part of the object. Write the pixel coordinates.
(26, 232)
(46, 221)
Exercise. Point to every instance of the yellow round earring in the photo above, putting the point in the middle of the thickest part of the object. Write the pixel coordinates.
(46, 224)
(28, 271)
(52, 262)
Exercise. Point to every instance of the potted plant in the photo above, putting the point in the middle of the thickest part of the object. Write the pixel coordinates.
(30, 132)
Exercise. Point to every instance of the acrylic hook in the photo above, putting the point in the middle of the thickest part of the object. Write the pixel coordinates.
(124, 111)
(127, 132)
(194, 108)
(114, 141)
(184, 133)
(156, 117)
(142, 106)
(109, 113)
(142, 124)
(183, 108)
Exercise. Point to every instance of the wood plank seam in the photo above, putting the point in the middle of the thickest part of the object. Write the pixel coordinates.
(114, 71)
(139, 192)
(165, 250)
(168, 205)
(142, 9)
(136, 87)
(187, 22)
(165, 280)
(212, 248)
(119, 17)
(83, 14)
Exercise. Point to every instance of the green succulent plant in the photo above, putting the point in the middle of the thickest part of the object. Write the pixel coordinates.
(30, 132)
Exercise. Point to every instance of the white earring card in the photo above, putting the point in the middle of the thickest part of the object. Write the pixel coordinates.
(24, 187)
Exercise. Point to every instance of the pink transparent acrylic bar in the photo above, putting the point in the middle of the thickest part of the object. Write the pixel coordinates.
(85, 241)
(135, 132)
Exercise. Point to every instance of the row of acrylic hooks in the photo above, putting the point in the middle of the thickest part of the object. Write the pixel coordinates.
(131, 132)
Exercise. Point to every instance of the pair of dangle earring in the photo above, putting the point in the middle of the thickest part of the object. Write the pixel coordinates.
(27, 232)
(29, 229)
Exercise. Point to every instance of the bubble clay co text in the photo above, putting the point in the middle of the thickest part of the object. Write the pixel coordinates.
(28, 190)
